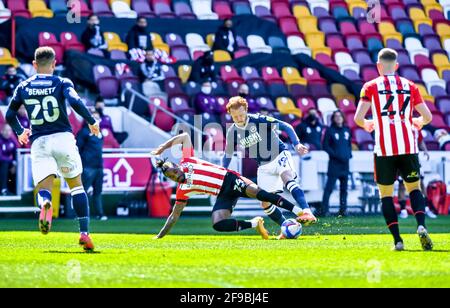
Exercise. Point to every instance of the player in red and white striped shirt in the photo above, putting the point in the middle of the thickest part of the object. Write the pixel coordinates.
(198, 177)
(393, 100)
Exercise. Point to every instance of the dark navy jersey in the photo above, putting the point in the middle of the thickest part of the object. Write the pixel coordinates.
(259, 138)
(44, 97)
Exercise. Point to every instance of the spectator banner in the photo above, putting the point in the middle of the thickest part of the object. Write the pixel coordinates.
(122, 172)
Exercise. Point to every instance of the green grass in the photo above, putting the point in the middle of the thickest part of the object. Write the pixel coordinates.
(351, 252)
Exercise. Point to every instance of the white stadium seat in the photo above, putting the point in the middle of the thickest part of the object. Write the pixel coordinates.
(196, 42)
(297, 45)
(121, 9)
(318, 3)
(202, 9)
(5, 13)
(415, 47)
(345, 62)
(431, 78)
(255, 3)
(257, 44)
(326, 106)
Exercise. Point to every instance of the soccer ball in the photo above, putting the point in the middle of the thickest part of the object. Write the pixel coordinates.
(291, 228)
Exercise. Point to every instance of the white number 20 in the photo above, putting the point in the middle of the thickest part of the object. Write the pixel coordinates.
(46, 102)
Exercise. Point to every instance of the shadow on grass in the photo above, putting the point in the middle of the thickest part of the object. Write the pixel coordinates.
(72, 252)
(430, 251)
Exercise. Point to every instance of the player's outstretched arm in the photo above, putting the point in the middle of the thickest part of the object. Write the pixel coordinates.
(172, 219)
(183, 139)
(289, 130)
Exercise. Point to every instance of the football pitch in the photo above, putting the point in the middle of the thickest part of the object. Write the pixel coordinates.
(337, 252)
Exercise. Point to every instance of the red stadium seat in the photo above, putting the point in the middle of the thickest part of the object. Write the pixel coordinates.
(70, 41)
(271, 75)
(18, 8)
(109, 142)
(305, 104)
(347, 106)
(230, 74)
(49, 39)
(223, 9)
(313, 76)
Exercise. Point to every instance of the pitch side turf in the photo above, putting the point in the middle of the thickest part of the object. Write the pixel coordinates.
(351, 252)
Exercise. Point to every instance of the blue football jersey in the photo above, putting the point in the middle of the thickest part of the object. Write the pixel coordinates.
(44, 97)
(259, 138)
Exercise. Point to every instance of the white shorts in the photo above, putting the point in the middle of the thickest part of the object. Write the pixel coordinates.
(269, 175)
(55, 154)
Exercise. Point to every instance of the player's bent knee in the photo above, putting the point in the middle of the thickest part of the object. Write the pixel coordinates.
(410, 187)
(221, 226)
(386, 190)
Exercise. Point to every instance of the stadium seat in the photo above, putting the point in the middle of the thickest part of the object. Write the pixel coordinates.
(291, 75)
(431, 78)
(299, 90)
(285, 105)
(221, 56)
(305, 104)
(158, 42)
(312, 76)
(363, 139)
(339, 91)
(122, 9)
(230, 74)
(196, 43)
(345, 62)
(271, 75)
(250, 74)
(180, 104)
(241, 8)
(266, 104)
(107, 84)
(114, 42)
(264, 13)
(233, 87)
(326, 106)
(257, 88)
(288, 26)
(180, 53)
(101, 8)
(278, 90)
(5, 13)
(202, 9)
(257, 44)
(415, 47)
(297, 45)
(326, 60)
(347, 106)
(173, 87)
(142, 8)
(59, 7)
(70, 41)
(162, 9)
(222, 9)
(49, 39)
(183, 10)
(280, 9)
(442, 63)
(6, 58)
(18, 8)
(38, 8)
(184, 72)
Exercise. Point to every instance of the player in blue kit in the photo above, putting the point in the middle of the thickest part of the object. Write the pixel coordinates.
(53, 149)
(257, 135)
